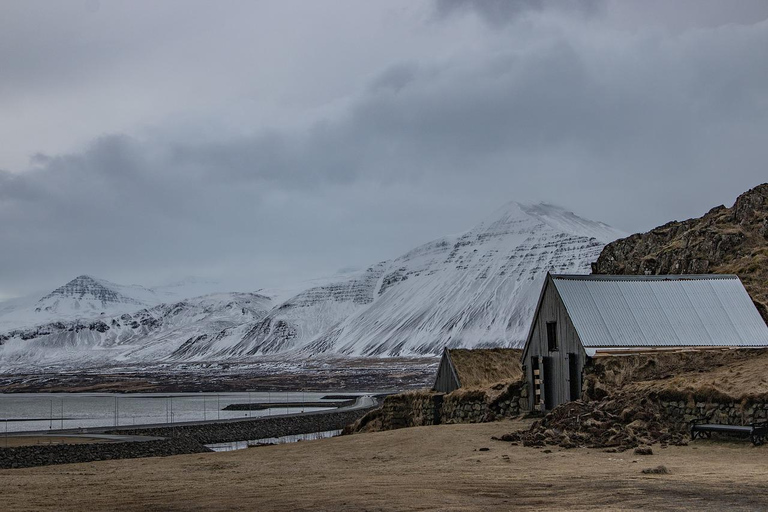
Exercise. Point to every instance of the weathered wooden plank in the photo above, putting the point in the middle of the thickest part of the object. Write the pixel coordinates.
(552, 309)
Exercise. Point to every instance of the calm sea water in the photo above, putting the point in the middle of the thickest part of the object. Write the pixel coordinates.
(21, 412)
(240, 445)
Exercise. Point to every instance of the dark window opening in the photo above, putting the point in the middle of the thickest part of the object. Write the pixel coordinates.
(549, 387)
(552, 336)
(574, 376)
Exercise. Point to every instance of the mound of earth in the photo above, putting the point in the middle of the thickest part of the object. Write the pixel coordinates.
(731, 375)
(723, 241)
(620, 422)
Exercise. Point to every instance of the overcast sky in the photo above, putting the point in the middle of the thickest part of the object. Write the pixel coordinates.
(257, 143)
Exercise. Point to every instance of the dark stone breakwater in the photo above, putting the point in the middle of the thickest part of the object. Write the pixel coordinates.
(178, 439)
(45, 455)
(271, 426)
(293, 405)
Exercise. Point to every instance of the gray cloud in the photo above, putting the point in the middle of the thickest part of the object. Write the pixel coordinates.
(631, 127)
(501, 12)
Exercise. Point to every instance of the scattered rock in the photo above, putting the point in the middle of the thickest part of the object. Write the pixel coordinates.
(643, 450)
(658, 470)
(483, 449)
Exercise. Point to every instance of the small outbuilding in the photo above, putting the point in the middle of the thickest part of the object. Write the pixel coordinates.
(581, 316)
(477, 368)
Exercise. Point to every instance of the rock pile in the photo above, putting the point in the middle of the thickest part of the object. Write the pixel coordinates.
(619, 422)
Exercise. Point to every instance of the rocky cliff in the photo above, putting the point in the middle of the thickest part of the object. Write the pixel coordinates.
(724, 241)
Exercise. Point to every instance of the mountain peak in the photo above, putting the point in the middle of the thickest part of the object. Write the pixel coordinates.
(85, 279)
(547, 215)
(85, 287)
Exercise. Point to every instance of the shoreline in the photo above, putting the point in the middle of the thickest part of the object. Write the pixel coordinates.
(339, 375)
(181, 438)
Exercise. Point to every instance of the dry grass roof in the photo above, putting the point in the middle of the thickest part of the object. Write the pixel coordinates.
(482, 368)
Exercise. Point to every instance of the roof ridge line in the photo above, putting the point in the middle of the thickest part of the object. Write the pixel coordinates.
(633, 277)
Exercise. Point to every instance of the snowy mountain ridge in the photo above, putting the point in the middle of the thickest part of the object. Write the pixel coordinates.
(147, 334)
(474, 289)
(478, 288)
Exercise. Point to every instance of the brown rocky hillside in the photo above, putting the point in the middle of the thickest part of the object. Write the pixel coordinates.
(724, 241)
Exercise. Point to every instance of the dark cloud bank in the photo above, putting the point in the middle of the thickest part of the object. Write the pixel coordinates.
(631, 126)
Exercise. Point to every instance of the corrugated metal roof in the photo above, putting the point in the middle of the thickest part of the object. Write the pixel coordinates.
(661, 311)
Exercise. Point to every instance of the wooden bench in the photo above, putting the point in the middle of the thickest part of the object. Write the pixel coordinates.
(756, 432)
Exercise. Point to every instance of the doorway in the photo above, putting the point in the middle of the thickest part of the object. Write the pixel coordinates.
(574, 376)
(549, 388)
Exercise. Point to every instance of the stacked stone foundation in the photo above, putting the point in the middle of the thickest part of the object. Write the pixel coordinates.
(422, 408)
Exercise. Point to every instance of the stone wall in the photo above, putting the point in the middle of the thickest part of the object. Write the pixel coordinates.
(660, 377)
(421, 408)
(727, 413)
(258, 428)
(43, 455)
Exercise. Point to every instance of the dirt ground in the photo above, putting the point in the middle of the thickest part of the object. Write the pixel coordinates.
(423, 468)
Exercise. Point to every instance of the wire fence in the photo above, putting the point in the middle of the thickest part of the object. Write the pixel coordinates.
(43, 412)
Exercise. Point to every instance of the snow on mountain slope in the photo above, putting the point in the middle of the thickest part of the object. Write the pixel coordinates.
(469, 290)
(86, 293)
(474, 289)
(296, 321)
(149, 334)
(87, 297)
(83, 297)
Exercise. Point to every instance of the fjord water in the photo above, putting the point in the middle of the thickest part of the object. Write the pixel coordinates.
(22, 412)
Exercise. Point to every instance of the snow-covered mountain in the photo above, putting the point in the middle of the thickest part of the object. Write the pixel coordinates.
(149, 334)
(86, 294)
(293, 324)
(475, 289)
(86, 297)
(478, 289)
(83, 297)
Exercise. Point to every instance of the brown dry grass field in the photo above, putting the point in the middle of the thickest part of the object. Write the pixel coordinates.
(424, 468)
